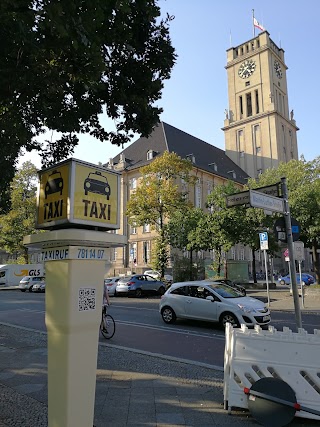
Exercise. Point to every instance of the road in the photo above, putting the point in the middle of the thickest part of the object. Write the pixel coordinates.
(139, 326)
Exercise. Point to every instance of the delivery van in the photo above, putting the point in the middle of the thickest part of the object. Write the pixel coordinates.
(11, 274)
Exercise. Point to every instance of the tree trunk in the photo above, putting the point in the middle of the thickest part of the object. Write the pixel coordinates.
(254, 272)
(316, 259)
(191, 265)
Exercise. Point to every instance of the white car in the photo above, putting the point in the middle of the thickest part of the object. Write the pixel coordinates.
(111, 283)
(213, 302)
(27, 282)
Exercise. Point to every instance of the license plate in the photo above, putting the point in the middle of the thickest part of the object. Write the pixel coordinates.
(265, 318)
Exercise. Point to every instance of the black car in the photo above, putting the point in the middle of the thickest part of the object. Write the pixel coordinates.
(54, 184)
(97, 183)
(239, 288)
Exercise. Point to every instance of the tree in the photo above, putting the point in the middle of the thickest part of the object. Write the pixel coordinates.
(65, 63)
(303, 181)
(218, 230)
(158, 197)
(20, 220)
(180, 228)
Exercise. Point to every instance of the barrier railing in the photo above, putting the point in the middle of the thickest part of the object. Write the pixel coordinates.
(252, 354)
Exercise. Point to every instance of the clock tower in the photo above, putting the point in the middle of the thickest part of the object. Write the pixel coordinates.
(260, 132)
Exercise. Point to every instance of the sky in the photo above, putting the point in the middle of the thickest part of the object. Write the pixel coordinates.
(196, 95)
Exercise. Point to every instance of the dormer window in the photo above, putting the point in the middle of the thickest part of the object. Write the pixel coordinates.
(213, 166)
(234, 175)
(149, 155)
(191, 157)
(122, 157)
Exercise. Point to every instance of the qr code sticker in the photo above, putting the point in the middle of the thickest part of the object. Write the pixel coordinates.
(87, 299)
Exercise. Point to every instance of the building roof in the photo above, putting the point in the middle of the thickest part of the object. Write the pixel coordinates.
(168, 138)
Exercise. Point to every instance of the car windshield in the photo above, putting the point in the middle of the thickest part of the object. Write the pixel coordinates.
(225, 291)
(97, 177)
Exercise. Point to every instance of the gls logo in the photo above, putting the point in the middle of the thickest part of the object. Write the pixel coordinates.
(34, 272)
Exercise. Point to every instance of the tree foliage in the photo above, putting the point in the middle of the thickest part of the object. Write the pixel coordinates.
(180, 232)
(158, 196)
(66, 62)
(303, 182)
(20, 220)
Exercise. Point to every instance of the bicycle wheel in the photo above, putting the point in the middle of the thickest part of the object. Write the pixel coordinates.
(107, 326)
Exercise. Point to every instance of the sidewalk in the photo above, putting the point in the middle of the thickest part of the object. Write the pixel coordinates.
(133, 389)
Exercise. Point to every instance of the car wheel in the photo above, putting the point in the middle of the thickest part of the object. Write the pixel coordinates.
(282, 282)
(168, 315)
(228, 318)
(138, 293)
(161, 290)
(115, 293)
(22, 290)
(30, 289)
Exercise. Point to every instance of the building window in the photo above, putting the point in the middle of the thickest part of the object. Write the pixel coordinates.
(257, 101)
(258, 43)
(247, 83)
(213, 166)
(146, 252)
(149, 155)
(133, 252)
(258, 150)
(240, 142)
(241, 153)
(133, 183)
(113, 254)
(241, 106)
(146, 228)
(198, 201)
(191, 157)
(242, 254)
(259, 171)
(234, 175)
(133, 229)
(249, 104)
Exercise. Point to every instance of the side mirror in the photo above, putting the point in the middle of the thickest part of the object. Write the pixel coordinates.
(210, 298)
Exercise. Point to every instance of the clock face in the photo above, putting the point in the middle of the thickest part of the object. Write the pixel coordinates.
(247, 68)
(278, 69)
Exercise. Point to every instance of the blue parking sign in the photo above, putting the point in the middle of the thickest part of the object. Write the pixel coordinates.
(264, 241)
(263, 237)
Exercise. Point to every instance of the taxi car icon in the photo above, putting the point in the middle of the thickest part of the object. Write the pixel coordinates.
(54, 183)
(97, 183)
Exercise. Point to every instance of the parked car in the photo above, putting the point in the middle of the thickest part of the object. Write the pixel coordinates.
(232, 284)
(27, 282)
(213, 302)
(157, 275)
(138, 285)
(111, 283)
(307, 279)
(39, 286)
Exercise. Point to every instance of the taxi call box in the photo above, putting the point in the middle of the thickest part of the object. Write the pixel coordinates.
(76, 193)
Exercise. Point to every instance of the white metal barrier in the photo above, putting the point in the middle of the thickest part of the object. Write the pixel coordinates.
(251, 354)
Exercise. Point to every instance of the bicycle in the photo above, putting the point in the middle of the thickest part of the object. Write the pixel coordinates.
(107, 325)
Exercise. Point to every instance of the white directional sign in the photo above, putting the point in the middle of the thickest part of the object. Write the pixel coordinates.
(264, 241)
(299, 251)
(263, 201)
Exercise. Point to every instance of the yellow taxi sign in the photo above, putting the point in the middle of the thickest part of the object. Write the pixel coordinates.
(78, 193)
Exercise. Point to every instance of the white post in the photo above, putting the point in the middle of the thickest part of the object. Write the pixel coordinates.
(301, 285)
(267, 279)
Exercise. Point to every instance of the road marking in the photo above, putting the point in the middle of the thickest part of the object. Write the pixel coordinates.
(167, 329)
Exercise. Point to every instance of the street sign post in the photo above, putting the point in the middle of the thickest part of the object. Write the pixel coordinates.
(264, 247)
(264, 201)
(243, 198)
